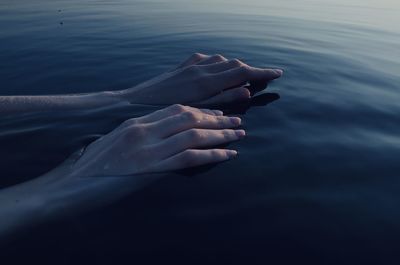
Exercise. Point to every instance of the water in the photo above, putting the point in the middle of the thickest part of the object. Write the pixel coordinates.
(317, 178)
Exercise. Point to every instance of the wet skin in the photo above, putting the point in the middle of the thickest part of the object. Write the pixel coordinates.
(138, 151)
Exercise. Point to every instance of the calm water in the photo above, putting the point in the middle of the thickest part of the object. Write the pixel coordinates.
(318, 177)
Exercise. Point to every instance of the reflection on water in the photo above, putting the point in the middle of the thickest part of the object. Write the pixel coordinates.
(319, 168)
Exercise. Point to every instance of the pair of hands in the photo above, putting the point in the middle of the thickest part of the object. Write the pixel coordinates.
(173, 138)
(170, 139)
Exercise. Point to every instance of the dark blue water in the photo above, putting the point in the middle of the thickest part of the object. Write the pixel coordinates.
(318, 177)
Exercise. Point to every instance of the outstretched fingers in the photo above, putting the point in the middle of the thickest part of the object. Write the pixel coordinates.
(201, 59)
(192, 120)
(217, 58)
(242, 74)
(173, 110)
(223, 66)
(193, 158)
(197, 138)
(193, 59)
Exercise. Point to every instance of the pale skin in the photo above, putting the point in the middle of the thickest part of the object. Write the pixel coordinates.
(121, 162)
(140, 150)
(200, 80)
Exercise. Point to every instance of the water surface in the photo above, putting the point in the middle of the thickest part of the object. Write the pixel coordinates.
(318, 175)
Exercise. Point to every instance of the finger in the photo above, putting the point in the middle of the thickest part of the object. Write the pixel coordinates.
(212, 60)
(238, 94)
(218, 112)
(173, 110)
(212, 112)
(191, 120)
(223, 66)
(193, 59)
(197, 138)
(242, 74)
(192, 158)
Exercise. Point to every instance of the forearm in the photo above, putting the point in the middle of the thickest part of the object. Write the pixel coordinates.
(20, 207)
(21, 104)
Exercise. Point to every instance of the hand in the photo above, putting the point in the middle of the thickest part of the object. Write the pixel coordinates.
(123, 161)
(165, 140)
(119, 163)
(201, 80)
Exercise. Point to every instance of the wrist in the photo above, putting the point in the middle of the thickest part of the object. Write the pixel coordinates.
(102, 98)
(132, 95)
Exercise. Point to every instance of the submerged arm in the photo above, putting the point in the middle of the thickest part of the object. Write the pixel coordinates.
(121, 162)
(20, 206)
(200, 80)
(22, 104)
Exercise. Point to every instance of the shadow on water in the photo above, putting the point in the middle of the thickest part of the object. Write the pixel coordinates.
(317, 174)
(257, 101)
(260, 100)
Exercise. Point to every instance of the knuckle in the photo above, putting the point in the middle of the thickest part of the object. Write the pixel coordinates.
(196, 56)
(237, 63)
(227, 134)
(218, 57)
(177, 108)
(243, 69)
(194, 135)
(189, 116)
(222, 121)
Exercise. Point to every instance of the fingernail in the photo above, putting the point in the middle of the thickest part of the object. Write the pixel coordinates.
(231, 153)
(218, 112)
(235, 121)
(240, 133)
(246, 93)
(278, 71)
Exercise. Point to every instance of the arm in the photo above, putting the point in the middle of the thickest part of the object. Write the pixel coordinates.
(22, 104)
(20, 206)
(200, 80)
(129, 158)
